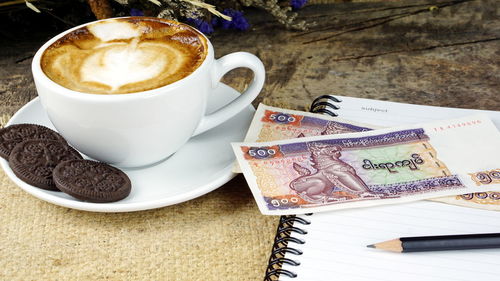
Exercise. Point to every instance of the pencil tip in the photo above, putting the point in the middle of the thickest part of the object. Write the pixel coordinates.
(371, 246)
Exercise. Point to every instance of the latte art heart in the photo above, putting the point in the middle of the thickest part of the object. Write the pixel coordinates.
(149, 54)
(119, 64)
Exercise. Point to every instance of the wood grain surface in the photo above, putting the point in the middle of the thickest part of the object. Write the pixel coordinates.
(444, 53)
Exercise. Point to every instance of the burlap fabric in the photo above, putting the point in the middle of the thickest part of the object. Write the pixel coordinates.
(219, 236)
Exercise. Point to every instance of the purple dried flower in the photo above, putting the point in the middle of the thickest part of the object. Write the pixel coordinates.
(202, 25)
(297, 4)
(238, 22)
(136, 12)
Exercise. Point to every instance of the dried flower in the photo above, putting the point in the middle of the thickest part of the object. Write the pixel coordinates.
(209, 7)
(136, 12)
(168, 14)
(297, 4)
(238, 22)
(203, 14)
(281, 13)
(31, 6)
(202, 25)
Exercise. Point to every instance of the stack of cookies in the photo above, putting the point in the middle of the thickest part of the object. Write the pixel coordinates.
(41, 157)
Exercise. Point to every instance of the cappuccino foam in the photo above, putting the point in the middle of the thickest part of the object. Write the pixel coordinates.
(125, 55)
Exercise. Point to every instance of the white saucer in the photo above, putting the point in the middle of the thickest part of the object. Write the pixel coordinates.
(200, 166)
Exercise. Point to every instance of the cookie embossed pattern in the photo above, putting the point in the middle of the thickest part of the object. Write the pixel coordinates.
(15, 134)
(43, 159)
(34, 160)
(91, 181)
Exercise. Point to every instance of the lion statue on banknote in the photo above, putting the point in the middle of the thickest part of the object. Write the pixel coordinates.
(331, 174)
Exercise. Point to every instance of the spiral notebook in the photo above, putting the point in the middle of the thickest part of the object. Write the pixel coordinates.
(332, 245)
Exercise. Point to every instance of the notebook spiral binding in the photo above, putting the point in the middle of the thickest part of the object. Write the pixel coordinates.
(324, 104)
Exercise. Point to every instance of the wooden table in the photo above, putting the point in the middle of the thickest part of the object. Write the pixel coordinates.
(444, 53)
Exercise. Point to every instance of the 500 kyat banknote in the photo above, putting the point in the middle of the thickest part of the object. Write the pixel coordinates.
(272, 123)
(370, 168)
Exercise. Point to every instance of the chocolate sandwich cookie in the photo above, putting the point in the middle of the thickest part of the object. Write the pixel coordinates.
(92, 181)
(34, 160)
(12, 135)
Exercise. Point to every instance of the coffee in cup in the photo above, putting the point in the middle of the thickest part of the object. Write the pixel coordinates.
(124, 55)
(131, 91)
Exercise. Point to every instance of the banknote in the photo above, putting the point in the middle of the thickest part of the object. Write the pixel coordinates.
(480, 200)
(383, 166)
(273, 123)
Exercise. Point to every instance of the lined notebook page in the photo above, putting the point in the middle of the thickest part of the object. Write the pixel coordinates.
(335, 247)
(383, 113)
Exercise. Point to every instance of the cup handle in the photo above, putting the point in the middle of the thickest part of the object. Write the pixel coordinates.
(221, 67)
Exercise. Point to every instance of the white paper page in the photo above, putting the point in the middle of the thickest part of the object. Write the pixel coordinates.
(384, 113)
(335, 247)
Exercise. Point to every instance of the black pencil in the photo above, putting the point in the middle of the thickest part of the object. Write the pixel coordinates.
(440, 243)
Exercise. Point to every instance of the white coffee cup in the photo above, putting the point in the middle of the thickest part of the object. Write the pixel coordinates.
(138, 129)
